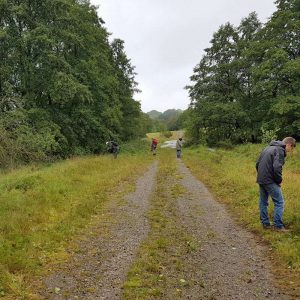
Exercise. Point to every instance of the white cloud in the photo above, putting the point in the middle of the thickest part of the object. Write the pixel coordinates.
(165, 39)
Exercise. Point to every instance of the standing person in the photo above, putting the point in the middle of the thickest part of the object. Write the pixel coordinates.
(179, 144)
(113, 147)
(154, 145)
(269, 177)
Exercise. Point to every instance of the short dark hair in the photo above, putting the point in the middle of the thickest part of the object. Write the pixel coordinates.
(290, 140)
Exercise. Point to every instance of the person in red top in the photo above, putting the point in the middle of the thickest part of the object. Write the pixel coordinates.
(154, 145)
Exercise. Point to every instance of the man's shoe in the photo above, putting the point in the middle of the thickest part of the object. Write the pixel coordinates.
(281, 229)
(267, 226)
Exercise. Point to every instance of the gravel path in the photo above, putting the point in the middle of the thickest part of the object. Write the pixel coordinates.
(229, 263)
(99, 267)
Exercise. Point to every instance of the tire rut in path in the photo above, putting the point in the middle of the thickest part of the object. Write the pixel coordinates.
(98, 269)
(229, 263)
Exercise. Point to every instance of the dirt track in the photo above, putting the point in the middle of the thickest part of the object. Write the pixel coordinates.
(228, 264)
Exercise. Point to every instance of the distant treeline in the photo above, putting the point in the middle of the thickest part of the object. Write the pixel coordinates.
(171, 119)
(246, 88)
(64, 88)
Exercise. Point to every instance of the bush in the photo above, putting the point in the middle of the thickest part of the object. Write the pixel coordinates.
(135, 147)
(21, 142)
(166, 134)
(227, 144)
(268, 135)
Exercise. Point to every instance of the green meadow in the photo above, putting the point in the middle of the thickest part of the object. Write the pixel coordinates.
(230, 175)
(42, 208)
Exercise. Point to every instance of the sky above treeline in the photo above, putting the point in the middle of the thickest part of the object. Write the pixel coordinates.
(165, 40)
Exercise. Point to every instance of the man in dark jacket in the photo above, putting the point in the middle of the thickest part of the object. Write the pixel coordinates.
(269, 177)
(113, 147)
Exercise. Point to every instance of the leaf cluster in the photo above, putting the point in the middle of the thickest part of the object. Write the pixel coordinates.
(169, 120)
(71, 87)
(248, 80)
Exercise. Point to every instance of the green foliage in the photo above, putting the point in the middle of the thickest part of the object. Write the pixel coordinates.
(134, 147)
(56, 62)
(269, 135)
(146, 124)
(168, 120)
(25, 138)
(154, 114)
(183, 119)
(249, 79)
(287, 115)
(166, 134)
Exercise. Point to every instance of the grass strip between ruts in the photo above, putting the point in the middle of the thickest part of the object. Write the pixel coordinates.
(157, 272)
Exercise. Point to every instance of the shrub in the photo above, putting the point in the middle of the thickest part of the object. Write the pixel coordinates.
(226, 144)
(269, 135)
(22, 142)
(166, 134)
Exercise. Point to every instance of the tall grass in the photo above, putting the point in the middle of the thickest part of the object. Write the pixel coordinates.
(231, 176)
(139, 146)
(43, 208)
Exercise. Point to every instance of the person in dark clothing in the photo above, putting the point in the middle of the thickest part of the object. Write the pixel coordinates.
(113, 147)
(179, 144)
(269, 177)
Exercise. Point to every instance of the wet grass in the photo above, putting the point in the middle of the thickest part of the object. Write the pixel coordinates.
(231, 177)
(43, 207)
(157, 273)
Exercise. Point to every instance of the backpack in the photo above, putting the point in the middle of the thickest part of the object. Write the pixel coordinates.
(112, 147)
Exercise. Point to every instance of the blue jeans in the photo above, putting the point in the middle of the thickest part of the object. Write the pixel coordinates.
(274, 191)
(178, 153)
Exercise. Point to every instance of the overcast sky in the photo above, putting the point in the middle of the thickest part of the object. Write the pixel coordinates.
(165, 40)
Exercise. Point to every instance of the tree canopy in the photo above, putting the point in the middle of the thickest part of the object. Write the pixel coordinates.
(248, 81)
(64, 88)
(167, 120)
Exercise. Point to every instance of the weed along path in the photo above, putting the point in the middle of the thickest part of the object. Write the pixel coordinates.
(98, 268)
(167, 240)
